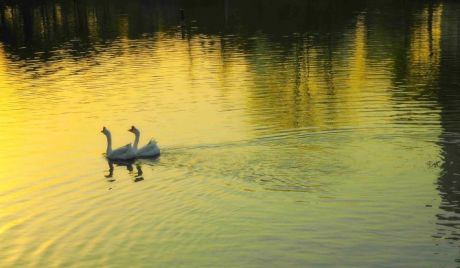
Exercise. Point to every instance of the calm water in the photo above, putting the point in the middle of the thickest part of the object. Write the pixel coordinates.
(293, 134)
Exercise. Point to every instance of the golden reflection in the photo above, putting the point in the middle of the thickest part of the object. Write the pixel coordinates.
(5, 99)
(10, 130)
(73, 91)
(322, 83)
(123, 27)
(93, 30)
(57, 13)
(425, 46)
(358, 62)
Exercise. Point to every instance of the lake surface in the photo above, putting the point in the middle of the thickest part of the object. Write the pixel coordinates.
(293, 134)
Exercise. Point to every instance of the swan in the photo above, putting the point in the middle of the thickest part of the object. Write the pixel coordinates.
(151, 149)
(123, 153)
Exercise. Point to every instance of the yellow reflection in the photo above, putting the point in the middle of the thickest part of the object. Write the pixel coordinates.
(9, 130)
(325, 89)
(425, 49)
(358, 67)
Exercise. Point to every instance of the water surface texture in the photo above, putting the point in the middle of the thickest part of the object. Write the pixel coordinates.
(293, 133)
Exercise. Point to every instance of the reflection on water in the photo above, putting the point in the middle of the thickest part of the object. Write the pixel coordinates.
(449, 179)
(291, 131)
(129, 166)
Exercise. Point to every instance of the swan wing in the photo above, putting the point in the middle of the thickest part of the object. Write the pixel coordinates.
(149, 150)
(152, 141)
(122, 149)
(124, 152)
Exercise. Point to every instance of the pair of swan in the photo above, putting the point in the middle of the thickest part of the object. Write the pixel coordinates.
(129, 151)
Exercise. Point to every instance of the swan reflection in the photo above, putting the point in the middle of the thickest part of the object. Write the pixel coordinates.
(137, 176)
(129, 164)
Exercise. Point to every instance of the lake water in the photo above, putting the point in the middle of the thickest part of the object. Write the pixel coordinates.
(293, 134)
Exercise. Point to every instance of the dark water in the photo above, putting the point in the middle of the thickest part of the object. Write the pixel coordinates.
(294, 133)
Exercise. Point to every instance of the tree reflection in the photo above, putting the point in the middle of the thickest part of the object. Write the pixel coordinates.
(449, 97)
(46, 25)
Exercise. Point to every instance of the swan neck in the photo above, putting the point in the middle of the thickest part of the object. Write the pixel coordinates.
(136, 139)
(109, 143)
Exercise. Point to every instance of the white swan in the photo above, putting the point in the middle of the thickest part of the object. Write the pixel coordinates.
(151, 149)
(123, 153)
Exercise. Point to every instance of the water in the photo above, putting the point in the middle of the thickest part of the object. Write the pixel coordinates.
(292, 134)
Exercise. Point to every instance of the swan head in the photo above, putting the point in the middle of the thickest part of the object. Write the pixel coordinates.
(105, 131)
(134, 130)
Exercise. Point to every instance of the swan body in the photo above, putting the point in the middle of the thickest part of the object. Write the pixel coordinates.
(123, 153)
(151, 149)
